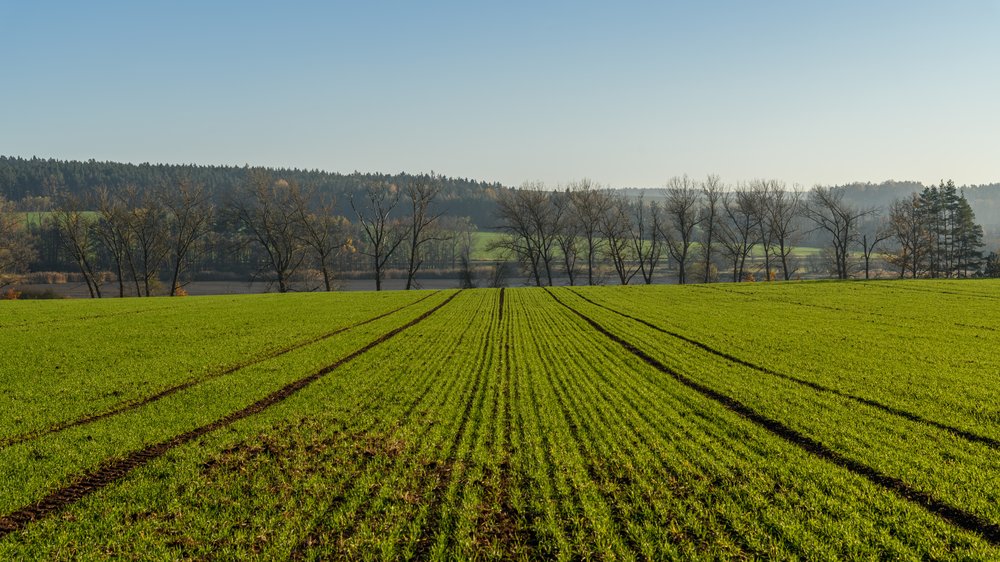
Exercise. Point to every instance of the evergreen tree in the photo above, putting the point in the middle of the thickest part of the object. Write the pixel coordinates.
(992, 266)
(968, 239)
(941, 211)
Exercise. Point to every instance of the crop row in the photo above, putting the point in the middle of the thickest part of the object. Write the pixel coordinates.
(39, 466)
(936, 364)
(55, 374)
(524, 423)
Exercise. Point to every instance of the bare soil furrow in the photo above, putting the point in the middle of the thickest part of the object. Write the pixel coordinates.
(436, 517)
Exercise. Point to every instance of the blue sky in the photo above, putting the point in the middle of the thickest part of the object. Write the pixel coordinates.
(626, 93)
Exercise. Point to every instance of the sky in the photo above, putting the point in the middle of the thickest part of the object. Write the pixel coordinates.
(625, 93)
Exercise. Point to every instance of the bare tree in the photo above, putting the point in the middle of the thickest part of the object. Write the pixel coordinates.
(739, 228)
(458, 247)
(148, 222)
(682, 212)
(615, 227)
(530, 223)
(590, 204)
(460, 243)
(16, 250)
(711, 214)
(567, 232)
(383, 233)
(115, 233)
(545, 219)
(908, 228)
(189, 215)
(782, 215)
(828, 211)
(647, 236)
(325, 235)
(763, 191)
(267, 212)
(872, 235)
(518, 238)
(421, 227)
(76, 231)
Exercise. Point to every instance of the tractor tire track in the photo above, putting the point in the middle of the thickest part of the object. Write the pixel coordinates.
(320, 527)
(628, 440)
(958, 517)
(640, 403)
(549, 364)
(133, 405)
(956, 431)
(115, 470)
(477, 395)
(527, 535)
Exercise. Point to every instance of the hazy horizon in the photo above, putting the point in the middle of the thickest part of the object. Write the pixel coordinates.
(626, 94)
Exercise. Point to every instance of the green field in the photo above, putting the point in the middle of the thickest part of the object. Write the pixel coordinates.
(751, 421)
(481, 251)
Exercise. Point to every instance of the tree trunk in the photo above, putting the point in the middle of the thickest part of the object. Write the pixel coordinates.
(175, 276)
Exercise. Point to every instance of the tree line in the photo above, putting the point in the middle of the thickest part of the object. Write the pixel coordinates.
(690, 230)
(280, 228)
(705, 230)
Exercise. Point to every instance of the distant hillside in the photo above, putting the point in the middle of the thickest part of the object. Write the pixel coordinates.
(21, 177)
(38, 177)
(984, 199)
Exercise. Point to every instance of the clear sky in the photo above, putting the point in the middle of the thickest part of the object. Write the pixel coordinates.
(626, 93)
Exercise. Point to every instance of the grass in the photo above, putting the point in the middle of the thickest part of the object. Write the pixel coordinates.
(802, 420)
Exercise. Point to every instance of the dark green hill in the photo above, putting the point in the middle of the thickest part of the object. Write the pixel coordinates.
(38, 177)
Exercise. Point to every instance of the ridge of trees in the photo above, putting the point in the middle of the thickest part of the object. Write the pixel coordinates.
(23, 179)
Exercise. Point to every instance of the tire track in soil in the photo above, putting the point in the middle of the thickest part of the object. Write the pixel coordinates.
(502, 528)
(638, 442)
(958, 517)
(527, 535)
(956, 431)
(113, 471)
(319, 528)
(133, 405)
(435, 517)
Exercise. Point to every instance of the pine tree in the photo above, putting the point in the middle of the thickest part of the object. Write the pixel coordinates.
(992, 266)
(968, 239)
(930, 215)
